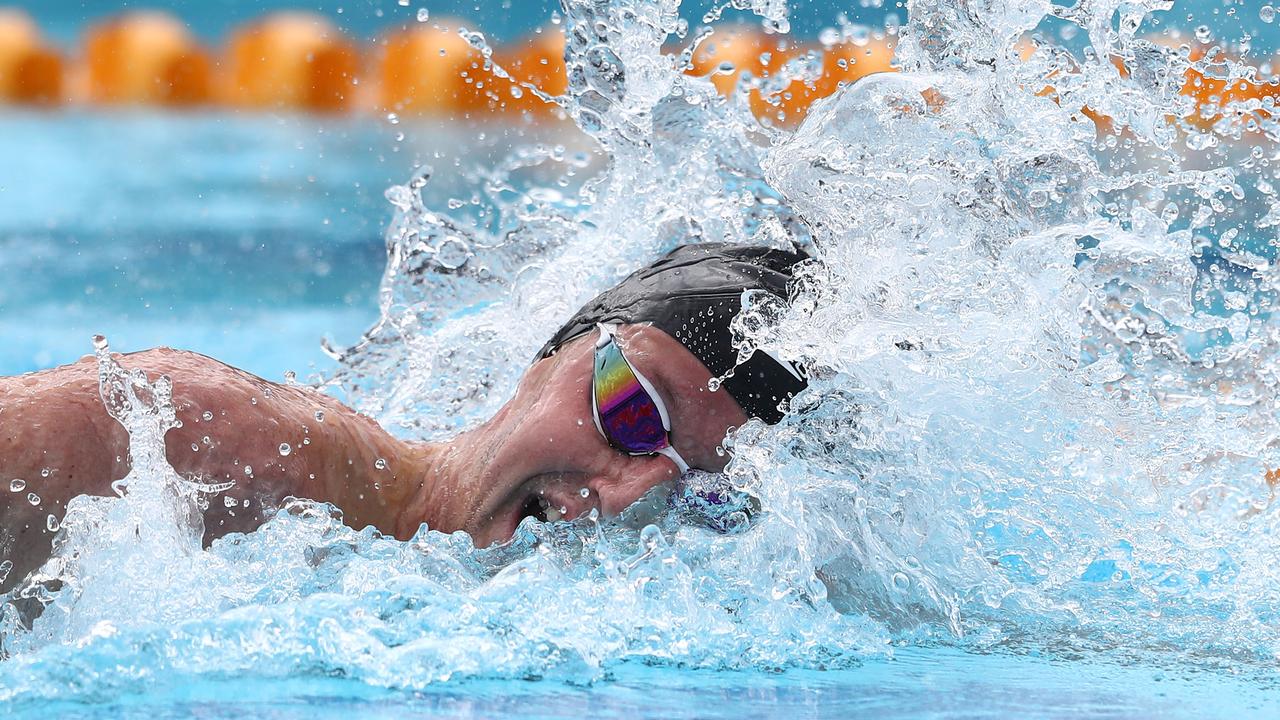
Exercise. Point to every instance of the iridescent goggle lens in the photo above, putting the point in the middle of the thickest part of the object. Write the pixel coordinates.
(628, 412)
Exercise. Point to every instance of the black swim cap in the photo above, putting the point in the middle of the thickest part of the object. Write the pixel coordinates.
(692, 294)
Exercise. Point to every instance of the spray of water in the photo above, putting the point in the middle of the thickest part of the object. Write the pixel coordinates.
(1042, 409)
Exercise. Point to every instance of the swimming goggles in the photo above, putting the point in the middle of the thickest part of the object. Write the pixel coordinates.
(626, 408)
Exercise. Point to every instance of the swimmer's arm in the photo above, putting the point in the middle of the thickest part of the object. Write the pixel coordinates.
(56, 435)
(52, 447)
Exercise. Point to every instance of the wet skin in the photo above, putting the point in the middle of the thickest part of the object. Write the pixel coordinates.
(535, 456)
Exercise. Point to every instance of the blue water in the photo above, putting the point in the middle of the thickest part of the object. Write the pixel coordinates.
(916, 683)
(247, 238)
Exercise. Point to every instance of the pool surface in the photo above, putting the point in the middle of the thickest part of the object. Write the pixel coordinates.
(916, 683)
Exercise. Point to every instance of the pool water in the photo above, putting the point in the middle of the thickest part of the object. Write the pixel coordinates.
(248, 239)
(251, 238)
(916, 683)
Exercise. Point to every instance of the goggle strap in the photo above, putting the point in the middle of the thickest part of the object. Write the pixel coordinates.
(605, 335)
(670, 453)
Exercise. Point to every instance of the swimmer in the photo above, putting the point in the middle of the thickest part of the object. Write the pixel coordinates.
(617, 402)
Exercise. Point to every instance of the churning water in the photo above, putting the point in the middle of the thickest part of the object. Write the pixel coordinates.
(1042, 421)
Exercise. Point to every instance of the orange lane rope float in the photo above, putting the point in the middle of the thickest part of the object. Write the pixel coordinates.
(303, 62)
(31, 72)
(291, 61)
(145, 58)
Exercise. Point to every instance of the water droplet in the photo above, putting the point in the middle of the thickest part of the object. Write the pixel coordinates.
(195, 447)
(901, 581)
(1267, 13)
(52, 523)
(585, 492)
(44, 472)
(402, 3)
(923, 190)
(423, 15)
(99, 343)
(17, 485)
(319, 416)
(33, 498)
(306, 441)
(206, 416)
(7, 565)
(290, 377)
(1204, 34)
(380, 464)
(228, 501)
(393, 118)
(206, 440)
(248, 469)
(285, 449)
(452, 253)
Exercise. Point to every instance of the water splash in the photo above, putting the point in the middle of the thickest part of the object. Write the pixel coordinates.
(1043, 401)
(118, 561)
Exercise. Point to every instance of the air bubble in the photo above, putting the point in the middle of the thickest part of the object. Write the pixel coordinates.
(33, 498)
(51, 523)
(285, 449)
(1267, 13)
(17, 485)
(584, 492)
(423, 15)
(453, 253)
(319, 416)
(248, 470)
(206, 416)
(380, 464)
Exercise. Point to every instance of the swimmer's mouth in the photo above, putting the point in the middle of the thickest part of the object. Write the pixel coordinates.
(539, 508)
(551, 497)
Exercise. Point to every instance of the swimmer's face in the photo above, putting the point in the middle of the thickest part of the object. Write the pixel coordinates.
(541, 454)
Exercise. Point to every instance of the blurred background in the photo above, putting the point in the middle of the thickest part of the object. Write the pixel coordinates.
(209, 174)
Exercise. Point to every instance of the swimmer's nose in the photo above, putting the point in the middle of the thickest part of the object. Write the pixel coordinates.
(631, 480)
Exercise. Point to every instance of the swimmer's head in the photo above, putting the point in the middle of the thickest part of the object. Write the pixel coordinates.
(692, 295)
(619, 401)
